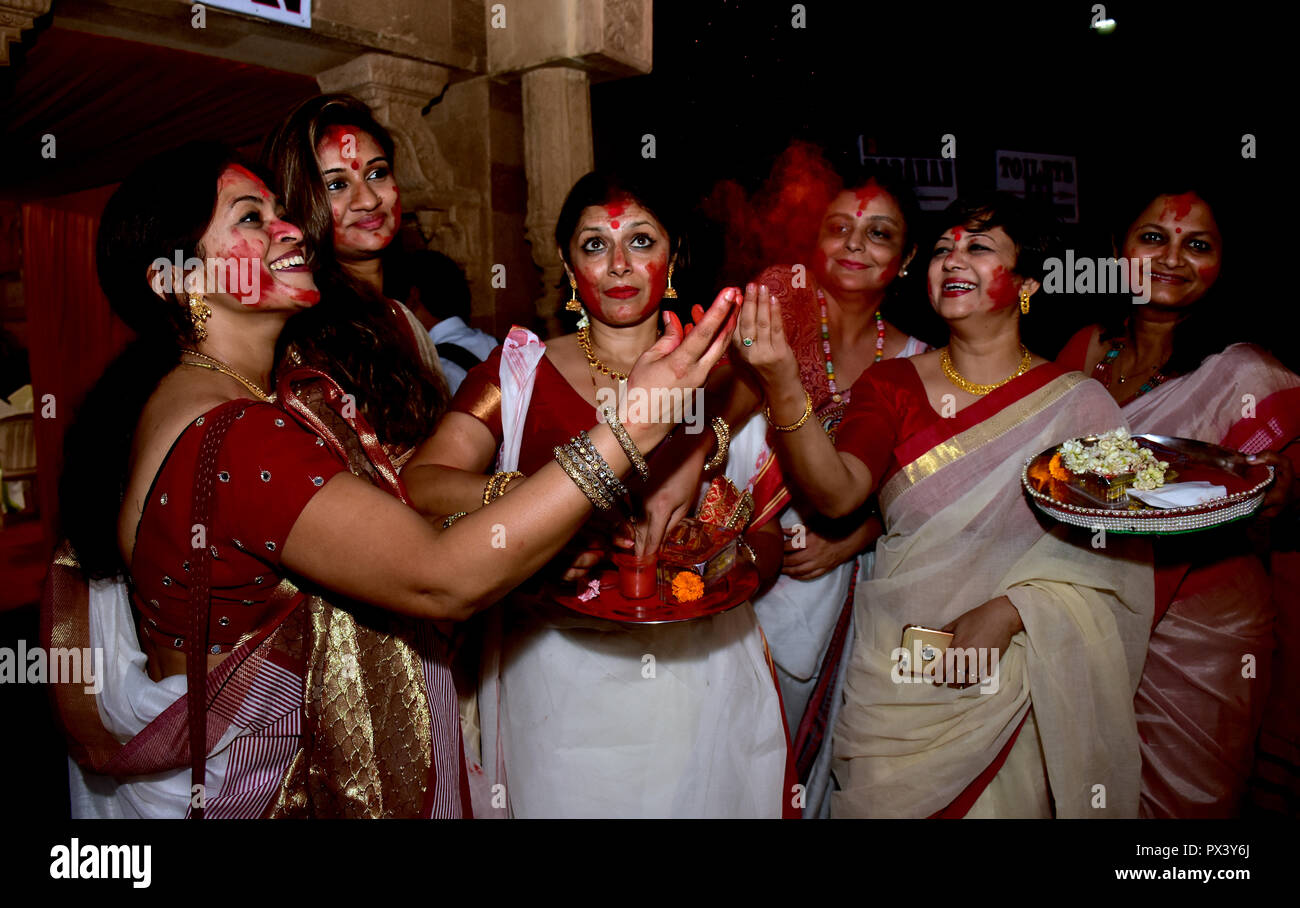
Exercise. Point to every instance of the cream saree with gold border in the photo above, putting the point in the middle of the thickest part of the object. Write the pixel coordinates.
(961, 532)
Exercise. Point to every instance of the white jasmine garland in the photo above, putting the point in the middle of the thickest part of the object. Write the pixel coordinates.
(1115, 453)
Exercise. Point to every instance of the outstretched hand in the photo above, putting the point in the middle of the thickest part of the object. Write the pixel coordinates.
(759, 339)
(679, 360)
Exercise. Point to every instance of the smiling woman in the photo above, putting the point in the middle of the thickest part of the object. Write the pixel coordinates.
(203, 514)
(333, 165)
(1170, 364)
(941, 437)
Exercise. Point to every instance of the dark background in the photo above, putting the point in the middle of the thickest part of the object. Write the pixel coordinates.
(1171, 90)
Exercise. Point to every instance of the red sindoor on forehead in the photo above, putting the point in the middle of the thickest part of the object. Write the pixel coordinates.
(613, 210)
(1179, 205)
(865, 195)
(956, 234)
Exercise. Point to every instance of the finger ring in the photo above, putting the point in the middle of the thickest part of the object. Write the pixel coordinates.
(747, 341)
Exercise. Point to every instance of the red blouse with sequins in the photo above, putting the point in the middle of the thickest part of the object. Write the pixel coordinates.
(267, 469)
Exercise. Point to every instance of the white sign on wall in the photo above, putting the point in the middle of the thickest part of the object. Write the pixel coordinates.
(1048, 178)
(288, 12)
(933, 180)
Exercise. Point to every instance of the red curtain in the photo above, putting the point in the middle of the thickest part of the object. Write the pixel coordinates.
(72, 333)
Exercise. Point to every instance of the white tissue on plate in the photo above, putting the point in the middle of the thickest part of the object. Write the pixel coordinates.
(1180, 494)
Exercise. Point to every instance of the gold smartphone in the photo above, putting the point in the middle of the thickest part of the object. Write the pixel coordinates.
(926, 642)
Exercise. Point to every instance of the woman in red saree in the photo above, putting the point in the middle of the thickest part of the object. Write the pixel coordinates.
(1035, 718)
(334, 167)
(231, 522)
(834, 322)
(1199, 709)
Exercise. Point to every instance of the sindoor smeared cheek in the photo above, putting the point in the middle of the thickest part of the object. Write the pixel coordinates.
(1003, 289)
(890, 270)
(1208, 273)
(587, 291)
(657, 275)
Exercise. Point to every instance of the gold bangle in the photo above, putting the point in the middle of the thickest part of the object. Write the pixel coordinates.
(497, 484)
(594, 491)
(626, 443)
(452, 518)
(807, 411)
(723, 435)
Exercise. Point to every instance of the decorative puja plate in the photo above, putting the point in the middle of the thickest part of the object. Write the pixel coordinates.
(740, 583)
(1189, 461)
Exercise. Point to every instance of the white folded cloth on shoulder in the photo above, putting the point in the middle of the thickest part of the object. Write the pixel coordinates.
(1180, 494)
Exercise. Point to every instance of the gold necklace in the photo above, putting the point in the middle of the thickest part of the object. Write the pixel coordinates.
(584, 344)
(950, 372)
(217, 365)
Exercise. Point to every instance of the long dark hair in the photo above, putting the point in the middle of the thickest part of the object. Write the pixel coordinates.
(351, 334)
(160, 211)
(1201, 332)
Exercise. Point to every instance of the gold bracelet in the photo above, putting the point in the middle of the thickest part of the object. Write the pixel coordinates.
(590, 486)
(452, 518)
(723, 433)
(497, 484)
(807, 411)
(626, 443)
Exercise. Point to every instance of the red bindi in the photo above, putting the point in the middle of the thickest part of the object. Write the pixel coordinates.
(956, 234)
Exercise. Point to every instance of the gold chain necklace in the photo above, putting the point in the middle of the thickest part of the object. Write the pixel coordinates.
(217, 365)
(584, 344)
(950, 372)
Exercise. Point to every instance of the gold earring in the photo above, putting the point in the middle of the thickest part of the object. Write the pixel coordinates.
(200, 312)
(573, 304)
(669, 292)
(1024, 301)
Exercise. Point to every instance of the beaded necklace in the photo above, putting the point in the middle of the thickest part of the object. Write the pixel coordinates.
(836, 396)
(1104, 369)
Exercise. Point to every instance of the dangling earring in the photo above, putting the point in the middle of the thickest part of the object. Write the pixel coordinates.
(573, 304)
(1024, 301)
(200, 312)
(669, 292)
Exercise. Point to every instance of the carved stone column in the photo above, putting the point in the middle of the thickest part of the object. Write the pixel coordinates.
(16, 16)
(446, 195)
(557, 150)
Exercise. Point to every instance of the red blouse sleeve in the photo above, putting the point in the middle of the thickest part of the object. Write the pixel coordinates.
(479, 395)
(873, 418)
(268, 468)
(1074, 355)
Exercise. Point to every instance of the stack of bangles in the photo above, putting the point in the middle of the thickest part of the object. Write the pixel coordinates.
(497, 485)
(589, 471)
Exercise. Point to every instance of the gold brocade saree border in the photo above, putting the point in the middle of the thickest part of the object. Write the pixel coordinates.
(990, 429)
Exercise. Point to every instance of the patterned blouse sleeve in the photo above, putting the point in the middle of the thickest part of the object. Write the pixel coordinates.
(268, 468)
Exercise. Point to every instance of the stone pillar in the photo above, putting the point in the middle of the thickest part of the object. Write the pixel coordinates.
(444, 194)
(17, 16)
(556, 48)
(557, 151)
